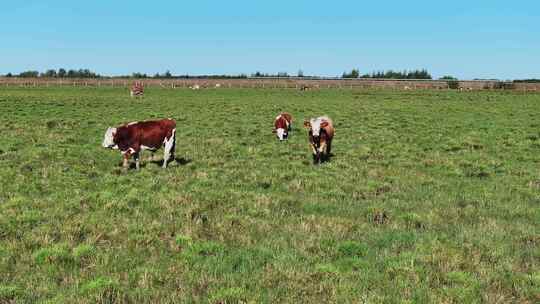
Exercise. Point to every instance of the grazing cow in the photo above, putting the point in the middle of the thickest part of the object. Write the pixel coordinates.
(137, 90)
(195, 87)
(134, 137)
(320, 133)
(282, 125)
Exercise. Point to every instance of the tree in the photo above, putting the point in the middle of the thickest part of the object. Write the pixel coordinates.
(353, 74)
(391, 74)
(61, 73)
(300, 73)
(139, 75)
(49, 73)
(29, 74)
(9, 75)
(448, 77)
(419, 74)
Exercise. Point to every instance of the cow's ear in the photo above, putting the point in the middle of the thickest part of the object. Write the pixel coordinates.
(324, 124)
(307, 124)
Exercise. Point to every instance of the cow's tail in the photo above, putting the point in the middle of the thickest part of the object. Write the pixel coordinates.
(173, 147)
(169, 148)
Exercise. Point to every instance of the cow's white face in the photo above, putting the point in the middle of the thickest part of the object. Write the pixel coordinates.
(281, 133)
(315, 126)
(108, 140)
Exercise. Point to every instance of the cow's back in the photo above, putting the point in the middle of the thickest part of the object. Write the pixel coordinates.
(287, 116)
(152, 133)
(166, 123)
(329, 129)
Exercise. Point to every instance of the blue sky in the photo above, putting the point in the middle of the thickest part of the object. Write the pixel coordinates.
(467, 39)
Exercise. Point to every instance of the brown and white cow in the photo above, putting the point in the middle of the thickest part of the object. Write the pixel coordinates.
(320, 134)
(135, 137)
(282, 125)
(137, 90)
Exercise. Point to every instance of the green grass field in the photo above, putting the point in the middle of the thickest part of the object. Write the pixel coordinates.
(431, 197)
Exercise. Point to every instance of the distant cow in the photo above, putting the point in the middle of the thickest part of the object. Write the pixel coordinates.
(282, 125)
(320, 135)
(137, 90)
(134, 137)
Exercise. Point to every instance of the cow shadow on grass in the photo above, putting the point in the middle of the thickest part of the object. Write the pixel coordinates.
(322, 159)
(181, 161)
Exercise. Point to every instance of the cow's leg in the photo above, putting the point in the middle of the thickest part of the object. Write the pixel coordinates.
(127, 154)
(316, 158)
(323, 151)
(169, 148)
(137, 157)
(315, 153)
(313, 149)
(173, 148)
(125, 163)
(329, 147)
(322, 148)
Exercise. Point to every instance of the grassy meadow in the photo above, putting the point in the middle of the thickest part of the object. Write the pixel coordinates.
(430, 197)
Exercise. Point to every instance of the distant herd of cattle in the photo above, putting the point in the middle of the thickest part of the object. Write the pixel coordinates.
(137, 89)
(132, 138)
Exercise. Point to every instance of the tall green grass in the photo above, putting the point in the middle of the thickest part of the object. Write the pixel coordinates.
(431, 197)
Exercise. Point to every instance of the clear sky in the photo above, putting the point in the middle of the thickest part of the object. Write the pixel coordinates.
(468, 39)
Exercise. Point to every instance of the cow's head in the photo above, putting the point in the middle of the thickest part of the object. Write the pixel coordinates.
(282, 133)
(314, 126)
(108, 140)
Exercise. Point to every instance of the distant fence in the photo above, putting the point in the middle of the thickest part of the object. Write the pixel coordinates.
(283, 83)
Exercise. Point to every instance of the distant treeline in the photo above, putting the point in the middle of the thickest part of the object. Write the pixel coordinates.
(60, 73)
(280, 74)
(390, 74)
(527, 80)
(168, 75)
(86, 73)
(354, 73)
